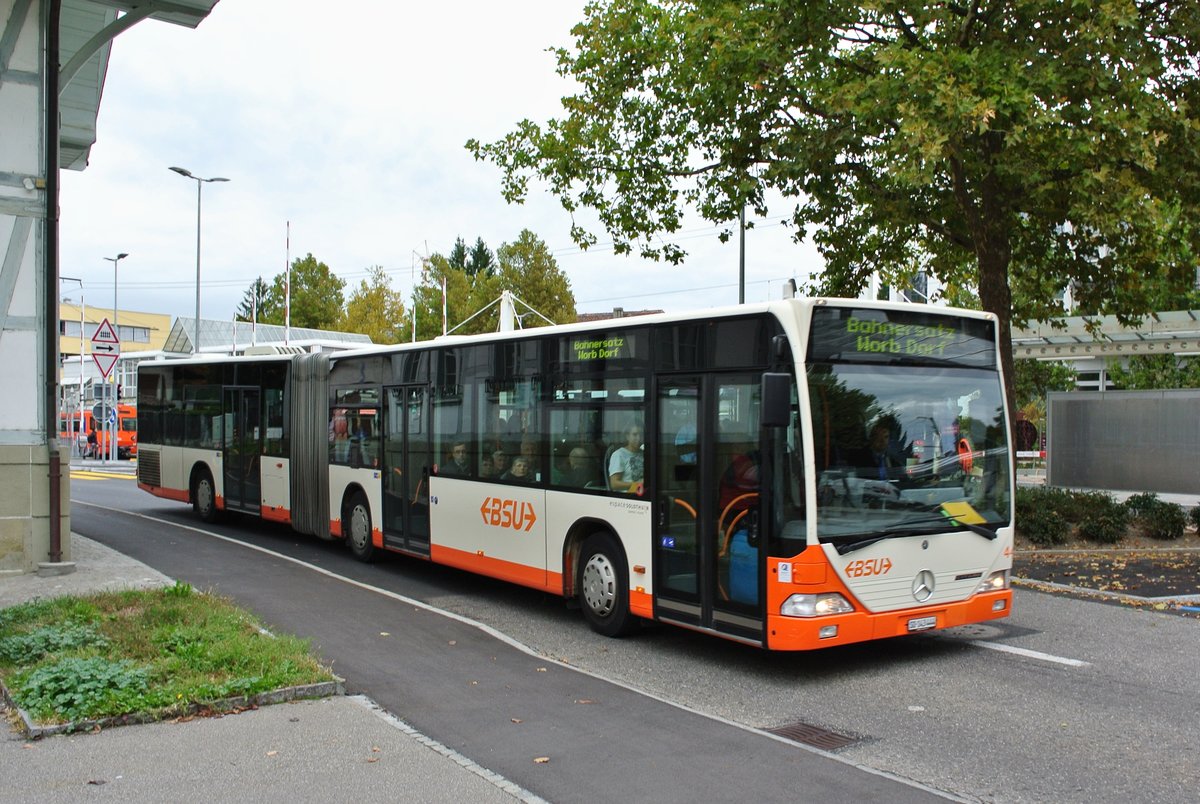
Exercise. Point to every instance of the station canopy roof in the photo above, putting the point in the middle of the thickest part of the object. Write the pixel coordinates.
(1176, 332)
(87, 28)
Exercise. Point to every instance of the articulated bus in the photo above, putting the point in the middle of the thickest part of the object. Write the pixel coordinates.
(791, 475)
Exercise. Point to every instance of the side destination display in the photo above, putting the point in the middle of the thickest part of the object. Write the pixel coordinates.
(854, 335)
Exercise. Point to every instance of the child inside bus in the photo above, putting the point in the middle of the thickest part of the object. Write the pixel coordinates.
(626, 467)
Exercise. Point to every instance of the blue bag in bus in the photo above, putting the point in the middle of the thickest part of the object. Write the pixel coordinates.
(743, 568)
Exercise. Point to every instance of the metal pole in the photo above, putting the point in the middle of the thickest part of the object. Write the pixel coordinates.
(742, 257)
(196, 328)
(82, 318)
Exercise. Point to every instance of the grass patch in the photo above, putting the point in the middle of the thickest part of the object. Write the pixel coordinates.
(145, 652)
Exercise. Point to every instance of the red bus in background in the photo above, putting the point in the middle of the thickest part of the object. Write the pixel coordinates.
(68, 430)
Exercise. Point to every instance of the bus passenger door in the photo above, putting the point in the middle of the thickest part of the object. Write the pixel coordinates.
(242, 449)
(407, 460)
(707, 559)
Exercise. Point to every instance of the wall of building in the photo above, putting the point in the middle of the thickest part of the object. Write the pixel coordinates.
(24, 454)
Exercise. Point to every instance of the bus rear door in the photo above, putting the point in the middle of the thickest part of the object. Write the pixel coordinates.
(407, 460)
(243, 442)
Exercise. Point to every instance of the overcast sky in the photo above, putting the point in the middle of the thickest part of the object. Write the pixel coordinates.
(348, 121)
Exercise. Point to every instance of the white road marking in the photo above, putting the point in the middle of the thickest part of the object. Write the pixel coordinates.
(1029, 654)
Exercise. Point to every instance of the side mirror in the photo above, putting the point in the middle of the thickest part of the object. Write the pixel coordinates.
(776, 399)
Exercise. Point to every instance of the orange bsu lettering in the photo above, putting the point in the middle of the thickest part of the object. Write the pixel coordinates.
(513, 514)
(868, 567)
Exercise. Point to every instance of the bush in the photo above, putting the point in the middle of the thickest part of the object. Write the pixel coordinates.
(1105, 520)
(1042, 516)
(1195, 516)
(1141, 504)
(1163, 520)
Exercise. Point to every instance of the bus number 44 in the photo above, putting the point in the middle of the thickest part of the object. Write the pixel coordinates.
(513, 514)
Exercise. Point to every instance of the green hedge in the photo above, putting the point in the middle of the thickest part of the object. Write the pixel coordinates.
(1050, 516)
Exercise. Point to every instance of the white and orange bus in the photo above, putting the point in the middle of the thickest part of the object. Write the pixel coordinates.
(791, 475)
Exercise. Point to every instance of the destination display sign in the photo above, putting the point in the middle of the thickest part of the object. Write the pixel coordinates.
(602, 350)
(858, 335)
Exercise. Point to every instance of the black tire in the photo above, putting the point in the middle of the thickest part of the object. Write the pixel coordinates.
(356, 528)
(602, 585)
(204, 498)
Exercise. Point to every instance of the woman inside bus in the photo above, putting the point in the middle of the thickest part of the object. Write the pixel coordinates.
(519, 471)
(627, 464)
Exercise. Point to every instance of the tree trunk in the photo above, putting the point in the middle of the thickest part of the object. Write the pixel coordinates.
(996, 297)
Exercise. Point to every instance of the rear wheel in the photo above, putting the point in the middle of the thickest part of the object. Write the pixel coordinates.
(603, 586)
(204, 498)
(356, 526)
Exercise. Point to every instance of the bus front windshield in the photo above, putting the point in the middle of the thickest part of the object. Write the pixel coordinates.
(903, 450)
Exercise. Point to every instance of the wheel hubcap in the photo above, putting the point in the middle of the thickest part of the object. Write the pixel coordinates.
(204, 495)
(600, 585)
(359, 531)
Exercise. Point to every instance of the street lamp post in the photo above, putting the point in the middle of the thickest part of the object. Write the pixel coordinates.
(112, 441)
(199, 183)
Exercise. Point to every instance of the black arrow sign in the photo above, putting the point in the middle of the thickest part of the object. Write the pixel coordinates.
(102, 348)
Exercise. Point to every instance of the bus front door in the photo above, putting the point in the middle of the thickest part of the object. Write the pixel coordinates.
(708, 565)
(242, 448)
(406, 466)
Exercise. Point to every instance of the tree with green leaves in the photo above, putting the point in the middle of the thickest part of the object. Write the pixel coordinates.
(316, 297)
(1011, 146)
(1155, 372)
(530, 272)
(481, 260)
(254, 305)
(525, 267)
(376, 309)
(464, 296)
(457, 258)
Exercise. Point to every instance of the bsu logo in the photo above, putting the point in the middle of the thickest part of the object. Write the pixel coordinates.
(508, 514)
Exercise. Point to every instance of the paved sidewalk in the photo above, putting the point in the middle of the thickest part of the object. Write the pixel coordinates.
(333, 749)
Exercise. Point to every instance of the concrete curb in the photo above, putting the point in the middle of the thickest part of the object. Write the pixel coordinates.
(1121, 597)
(34, 731)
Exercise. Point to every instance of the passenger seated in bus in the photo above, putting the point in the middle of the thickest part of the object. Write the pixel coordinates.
(458, 463)
(529, 451)
(581, 468)
(499, 463)
(486, 469)
(520, 471)
(626, 467)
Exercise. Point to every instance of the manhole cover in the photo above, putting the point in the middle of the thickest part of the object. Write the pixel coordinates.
(812, 735)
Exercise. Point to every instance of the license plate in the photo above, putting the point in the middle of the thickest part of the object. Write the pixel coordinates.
(922, 623)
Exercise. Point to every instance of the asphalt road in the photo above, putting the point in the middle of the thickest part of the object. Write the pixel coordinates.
(1067, 700)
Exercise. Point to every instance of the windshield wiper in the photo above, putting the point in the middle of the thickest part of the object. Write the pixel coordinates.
(911, 526)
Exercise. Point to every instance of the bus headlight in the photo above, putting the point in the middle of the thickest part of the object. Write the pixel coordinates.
(995, 582)
(815, 605)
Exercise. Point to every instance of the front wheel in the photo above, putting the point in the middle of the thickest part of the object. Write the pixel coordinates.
(603, 586)
(356, 525)
(204, 498)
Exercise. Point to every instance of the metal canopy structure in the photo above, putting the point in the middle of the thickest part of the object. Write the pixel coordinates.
(1176, 332)
(219, 337)
(87, 30)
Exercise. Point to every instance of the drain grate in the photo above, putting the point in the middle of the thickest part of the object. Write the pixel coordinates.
(815, 736)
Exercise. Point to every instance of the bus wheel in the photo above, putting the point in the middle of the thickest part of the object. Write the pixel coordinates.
(356, 525)
(204, 498)
(603, 586)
